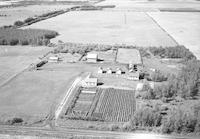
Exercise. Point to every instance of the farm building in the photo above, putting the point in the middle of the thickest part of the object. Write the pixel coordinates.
(109, 71)
(92, 57)
(89, 82)
(53, 59)
(100, 70)
(118, 71)
(134, 76)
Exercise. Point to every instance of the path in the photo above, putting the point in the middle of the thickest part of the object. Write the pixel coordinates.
(66, 97)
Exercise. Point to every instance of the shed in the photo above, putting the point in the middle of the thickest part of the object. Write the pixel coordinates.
(92, 57)
(118, 71)
(109, 71)
(53, 59)
(100, 70)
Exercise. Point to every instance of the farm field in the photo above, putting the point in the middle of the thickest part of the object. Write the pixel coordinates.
(118, 28)
(153, 6)
(116, 105)
(110, 105)
(34, 94)
(183, 27)
(15, 59)
(9, 15)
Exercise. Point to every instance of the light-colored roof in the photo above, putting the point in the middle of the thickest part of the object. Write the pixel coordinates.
(53, 58)
(127, 56)
(91, 80)
(92, 55)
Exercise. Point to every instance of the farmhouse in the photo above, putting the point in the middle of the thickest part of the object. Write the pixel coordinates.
(92, 57)
(89, 82)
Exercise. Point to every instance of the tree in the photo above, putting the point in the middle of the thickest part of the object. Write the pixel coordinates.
(18, 23)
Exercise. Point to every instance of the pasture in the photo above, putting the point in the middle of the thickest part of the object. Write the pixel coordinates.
(106, 27)
(15, 59)
(183, 27)
(129, 55)
(34, 94)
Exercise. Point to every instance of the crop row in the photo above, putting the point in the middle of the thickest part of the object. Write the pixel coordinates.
(116, 105)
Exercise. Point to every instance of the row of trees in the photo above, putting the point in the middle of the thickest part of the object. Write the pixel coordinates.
(26, 37)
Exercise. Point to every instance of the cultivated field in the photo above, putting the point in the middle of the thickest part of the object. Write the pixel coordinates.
(109, 105)
(183, 27)
(116, 105)
(150, 5)
(9, 15)
(107, 28)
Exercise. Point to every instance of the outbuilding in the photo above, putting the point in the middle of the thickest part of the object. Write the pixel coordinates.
(89, 82)
(100, 70)
(119, 71)
(92, 57)
(109, 71)
(53, 59)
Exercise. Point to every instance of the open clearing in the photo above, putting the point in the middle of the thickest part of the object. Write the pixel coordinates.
(183, 27)
(15, 59)
(9, 15)
(106, 27)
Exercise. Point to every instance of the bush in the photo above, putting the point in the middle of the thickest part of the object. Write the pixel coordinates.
(18, 23)
(14, 42)
(146, 92)
(158, 77)
(15, 121)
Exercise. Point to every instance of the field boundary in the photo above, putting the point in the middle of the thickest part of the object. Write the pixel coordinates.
(161, 27)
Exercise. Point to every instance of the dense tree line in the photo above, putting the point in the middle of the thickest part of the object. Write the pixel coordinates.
(26, 37)
(172, 52)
